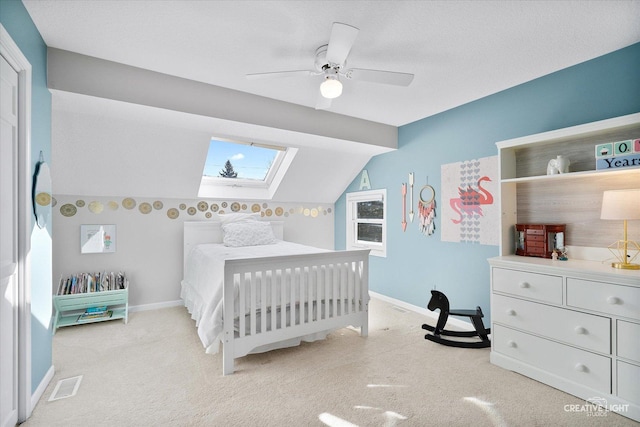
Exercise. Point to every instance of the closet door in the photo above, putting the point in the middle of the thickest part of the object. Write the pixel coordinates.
(8, 245)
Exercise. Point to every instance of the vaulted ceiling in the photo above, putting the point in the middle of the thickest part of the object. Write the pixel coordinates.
(458, 51)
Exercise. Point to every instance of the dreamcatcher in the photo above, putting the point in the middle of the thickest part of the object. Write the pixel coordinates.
(427, 210)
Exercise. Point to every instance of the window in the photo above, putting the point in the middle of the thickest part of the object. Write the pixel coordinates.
(366, 221)
(258, 168)
(247, 161)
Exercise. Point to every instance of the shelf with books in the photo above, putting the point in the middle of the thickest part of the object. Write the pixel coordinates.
(90, 298)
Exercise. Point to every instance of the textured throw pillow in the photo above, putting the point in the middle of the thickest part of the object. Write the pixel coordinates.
(238, 217)
(247, 233)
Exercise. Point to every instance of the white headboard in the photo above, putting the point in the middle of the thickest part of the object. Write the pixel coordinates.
(199, 232)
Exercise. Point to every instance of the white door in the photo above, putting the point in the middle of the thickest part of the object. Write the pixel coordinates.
(8, 245)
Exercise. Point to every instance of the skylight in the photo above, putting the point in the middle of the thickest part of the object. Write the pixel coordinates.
(247, 165)
(246, 161)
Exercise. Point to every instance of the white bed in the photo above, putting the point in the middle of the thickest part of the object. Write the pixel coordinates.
(223, 285)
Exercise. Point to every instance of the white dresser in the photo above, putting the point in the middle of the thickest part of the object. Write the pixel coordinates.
(574, 325)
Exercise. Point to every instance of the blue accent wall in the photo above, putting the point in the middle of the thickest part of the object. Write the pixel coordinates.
(16, 20)
(602, 88)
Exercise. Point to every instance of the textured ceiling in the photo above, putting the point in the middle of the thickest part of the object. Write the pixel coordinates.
(459, 51)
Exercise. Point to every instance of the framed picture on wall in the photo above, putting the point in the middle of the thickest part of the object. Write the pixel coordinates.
(97, 238)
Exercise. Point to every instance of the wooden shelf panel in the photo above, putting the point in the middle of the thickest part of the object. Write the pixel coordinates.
(573, 175)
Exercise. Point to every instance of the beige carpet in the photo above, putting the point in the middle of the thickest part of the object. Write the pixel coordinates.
(154, 372)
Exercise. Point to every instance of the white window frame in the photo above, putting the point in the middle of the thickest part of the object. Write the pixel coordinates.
(377, 249)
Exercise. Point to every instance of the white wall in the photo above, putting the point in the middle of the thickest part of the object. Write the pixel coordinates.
(149, 246)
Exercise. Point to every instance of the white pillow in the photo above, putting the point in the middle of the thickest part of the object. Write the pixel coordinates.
(238, 217)
(247, 233)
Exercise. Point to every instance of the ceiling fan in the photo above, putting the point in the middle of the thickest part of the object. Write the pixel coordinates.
(331, 61)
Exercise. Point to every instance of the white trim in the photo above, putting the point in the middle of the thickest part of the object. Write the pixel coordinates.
(571, 132)
(156, 306)
(39, 391)
(425, 312)
(11, 52)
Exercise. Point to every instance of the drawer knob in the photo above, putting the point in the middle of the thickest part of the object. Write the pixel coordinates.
(511, 312)
(524, 285)
(512, 344)
(580, 330)
(613, 300)
(581, 368)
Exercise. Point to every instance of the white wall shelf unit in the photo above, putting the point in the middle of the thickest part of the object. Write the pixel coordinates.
(574, 325)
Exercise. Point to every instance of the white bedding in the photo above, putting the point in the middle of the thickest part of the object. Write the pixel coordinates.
(202, 287)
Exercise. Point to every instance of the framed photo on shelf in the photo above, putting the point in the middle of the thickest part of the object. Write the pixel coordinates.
(97, 238)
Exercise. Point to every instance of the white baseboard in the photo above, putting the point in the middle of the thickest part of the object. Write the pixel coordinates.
(431, 314)
(37, 394)
(155, 306)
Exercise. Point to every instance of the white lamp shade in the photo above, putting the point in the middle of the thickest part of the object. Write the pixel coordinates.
(331, 88)
(621, 204)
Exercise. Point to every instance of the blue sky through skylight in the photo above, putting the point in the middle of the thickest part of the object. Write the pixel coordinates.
(250, 162)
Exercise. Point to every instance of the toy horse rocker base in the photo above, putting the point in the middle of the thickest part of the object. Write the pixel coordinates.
(439, 300)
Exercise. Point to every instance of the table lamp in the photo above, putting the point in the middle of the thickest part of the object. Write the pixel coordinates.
(622, 205)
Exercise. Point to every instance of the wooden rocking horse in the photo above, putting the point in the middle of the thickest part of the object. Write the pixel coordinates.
(439, 300)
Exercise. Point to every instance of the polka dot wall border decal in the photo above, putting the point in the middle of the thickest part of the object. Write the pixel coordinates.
(96, 207)
(128, 203)
(208, 208)
(145, 208)
(68, 210)
(173, 213)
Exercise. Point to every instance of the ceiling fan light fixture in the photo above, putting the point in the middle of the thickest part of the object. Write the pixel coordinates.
(331, 87)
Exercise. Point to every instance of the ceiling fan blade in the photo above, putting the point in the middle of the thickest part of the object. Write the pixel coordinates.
(342, 38)
(279, 74)
(377, 76)
(322, 103)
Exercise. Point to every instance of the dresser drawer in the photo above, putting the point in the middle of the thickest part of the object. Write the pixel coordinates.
(540, 287)
(628, 340)
(618, 300)
(628, 384)
(583, 330)
(581, 366)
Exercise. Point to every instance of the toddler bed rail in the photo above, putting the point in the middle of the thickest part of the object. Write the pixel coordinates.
(284, 297)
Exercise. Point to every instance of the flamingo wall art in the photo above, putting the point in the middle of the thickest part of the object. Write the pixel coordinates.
(470, 214)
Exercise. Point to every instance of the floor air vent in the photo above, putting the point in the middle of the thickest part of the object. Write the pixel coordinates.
(66, 388)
